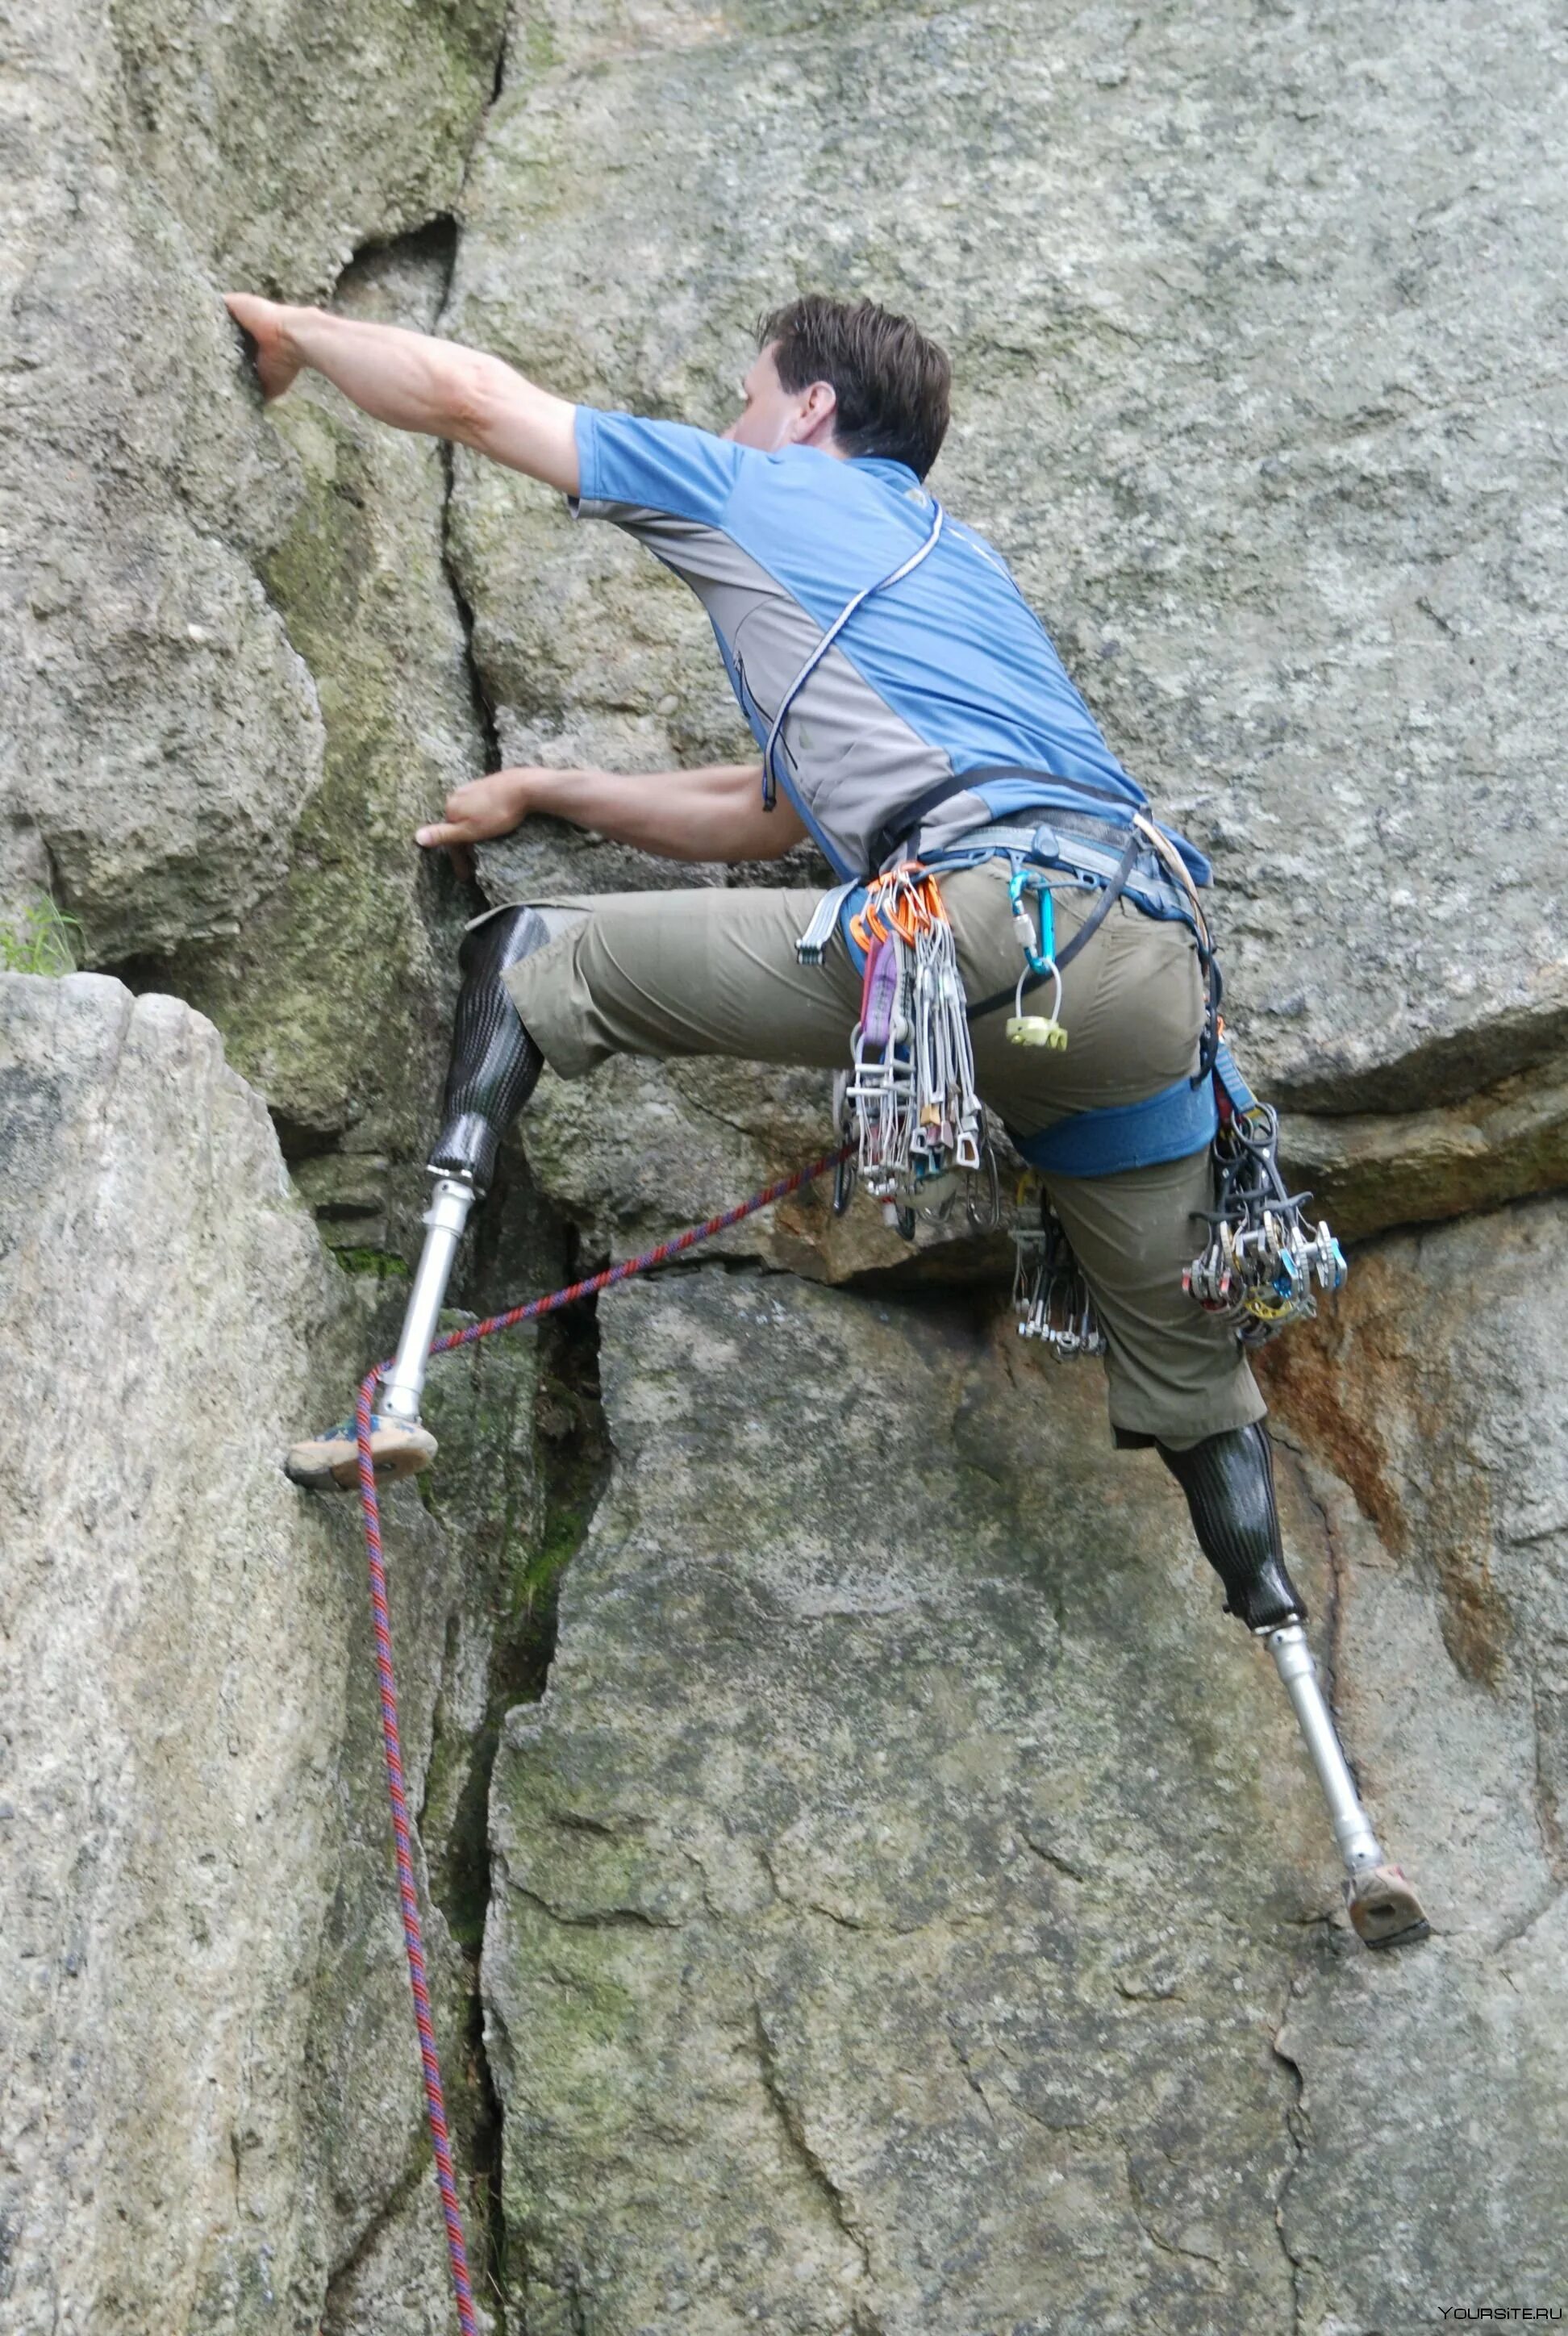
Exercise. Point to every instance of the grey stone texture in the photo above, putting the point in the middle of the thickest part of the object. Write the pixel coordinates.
(335, 995)
(160, 732)
(1438, 1388)
(907, 1912)
(211, 2111)
(181, 1634)
(913, 1911)
(849, 1966)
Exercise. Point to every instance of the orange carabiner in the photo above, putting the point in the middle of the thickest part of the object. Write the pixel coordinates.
(906, 900)
(866, 924)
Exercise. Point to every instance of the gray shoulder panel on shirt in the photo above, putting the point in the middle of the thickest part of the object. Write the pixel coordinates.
(852, 759)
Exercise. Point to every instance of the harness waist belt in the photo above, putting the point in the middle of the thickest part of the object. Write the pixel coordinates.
(899, 831)
(1182, 1118)
(1082, 853)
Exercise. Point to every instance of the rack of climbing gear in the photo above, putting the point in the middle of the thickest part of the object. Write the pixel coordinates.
(391, 1737)
(914, 1124)
(1050, 1297)
(1257, 1267)
(909, 1105)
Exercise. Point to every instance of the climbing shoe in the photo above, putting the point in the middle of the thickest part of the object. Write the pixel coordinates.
(399, 1447)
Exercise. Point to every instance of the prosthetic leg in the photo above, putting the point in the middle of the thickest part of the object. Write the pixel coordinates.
(493, 1070)
(1228, 1481)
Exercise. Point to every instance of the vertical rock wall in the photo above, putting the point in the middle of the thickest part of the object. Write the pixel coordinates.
(906, 1910)
(1438, 1388)
(189, 1789)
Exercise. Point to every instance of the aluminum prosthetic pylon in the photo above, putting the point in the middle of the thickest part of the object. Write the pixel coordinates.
(1228, 1481)
(1383, 1906)
(493, 1070)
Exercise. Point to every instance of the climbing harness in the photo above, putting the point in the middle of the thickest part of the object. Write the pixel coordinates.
(1256, 1270)
(1050, 1297)
(370, 1509)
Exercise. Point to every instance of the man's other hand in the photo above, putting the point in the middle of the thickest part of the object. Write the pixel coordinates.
(277, 361)
(477, 811)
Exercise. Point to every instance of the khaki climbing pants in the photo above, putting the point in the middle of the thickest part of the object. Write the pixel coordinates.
(715, 972)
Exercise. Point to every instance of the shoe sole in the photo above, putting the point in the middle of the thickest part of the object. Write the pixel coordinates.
(1384, 1909)
(395, 1453)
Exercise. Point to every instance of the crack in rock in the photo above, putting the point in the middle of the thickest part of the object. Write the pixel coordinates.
(1140, 2211)
(791, 2124)
(596, 1918)
(400, 2196)
(1298, 2126)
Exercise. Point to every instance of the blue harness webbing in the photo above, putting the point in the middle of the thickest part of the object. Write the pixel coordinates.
(1183, 1117)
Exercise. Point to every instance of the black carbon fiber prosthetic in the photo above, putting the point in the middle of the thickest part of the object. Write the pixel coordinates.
(495, 1064)
(1228, 1481)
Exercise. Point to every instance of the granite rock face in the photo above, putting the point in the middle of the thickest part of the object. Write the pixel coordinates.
(211, 2116)
(912, 1908)
(907, 1912)
(160, 730)
(848, 1969)
(1438, 1388)
(335, 996)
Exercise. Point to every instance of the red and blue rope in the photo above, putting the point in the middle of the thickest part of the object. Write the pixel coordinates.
(370, 1508)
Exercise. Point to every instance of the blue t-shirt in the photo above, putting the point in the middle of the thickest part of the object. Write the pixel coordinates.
(946, 673)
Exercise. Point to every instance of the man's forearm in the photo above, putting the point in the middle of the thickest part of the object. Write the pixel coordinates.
(416, 382)
(714, 814)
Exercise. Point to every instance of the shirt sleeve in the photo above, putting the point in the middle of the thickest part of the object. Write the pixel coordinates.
(656, 466)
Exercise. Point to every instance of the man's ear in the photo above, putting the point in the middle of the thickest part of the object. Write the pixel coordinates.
(819, 414)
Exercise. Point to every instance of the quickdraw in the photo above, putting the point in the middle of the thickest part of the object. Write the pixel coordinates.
(909, 1106)
(1256, 1269)
(1050, 1297)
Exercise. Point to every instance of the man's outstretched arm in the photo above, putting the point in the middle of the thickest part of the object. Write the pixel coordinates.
(714, 814)
(417, 383)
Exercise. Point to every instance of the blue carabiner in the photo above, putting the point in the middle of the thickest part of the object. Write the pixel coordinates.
(1027, 878)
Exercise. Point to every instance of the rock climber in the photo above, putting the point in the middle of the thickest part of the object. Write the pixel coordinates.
(909, 706)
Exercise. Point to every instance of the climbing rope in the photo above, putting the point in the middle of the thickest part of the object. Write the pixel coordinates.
(370, 1509)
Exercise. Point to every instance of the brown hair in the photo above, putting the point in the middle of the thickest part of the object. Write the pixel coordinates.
(890, 381)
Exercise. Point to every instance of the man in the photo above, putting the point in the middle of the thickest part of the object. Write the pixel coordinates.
(909, 706)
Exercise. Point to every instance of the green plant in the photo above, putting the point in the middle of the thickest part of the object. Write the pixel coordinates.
(39, 940)
(381, 1263)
